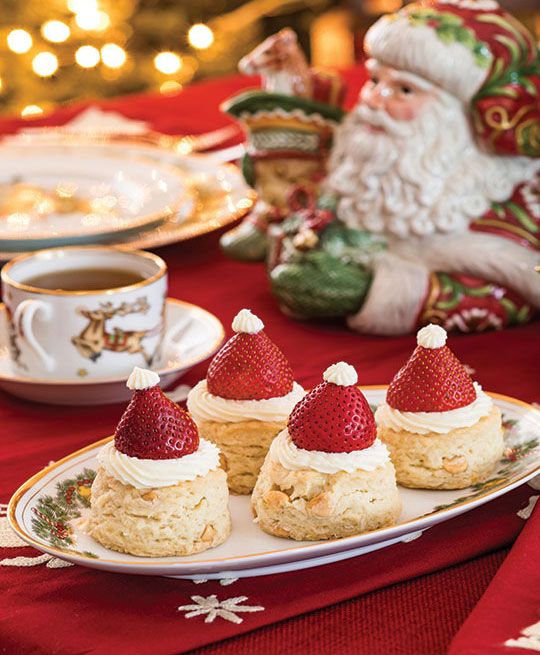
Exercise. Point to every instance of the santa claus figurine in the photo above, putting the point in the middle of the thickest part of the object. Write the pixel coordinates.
(430, 211)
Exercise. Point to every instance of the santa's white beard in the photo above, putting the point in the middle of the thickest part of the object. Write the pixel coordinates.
(418, 177)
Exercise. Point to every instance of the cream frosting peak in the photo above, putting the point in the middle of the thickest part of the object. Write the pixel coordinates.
(142, 378)
(247, 322)
(432, 336)
(342, 374)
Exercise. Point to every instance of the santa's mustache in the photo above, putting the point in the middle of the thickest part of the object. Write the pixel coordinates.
(381, 119)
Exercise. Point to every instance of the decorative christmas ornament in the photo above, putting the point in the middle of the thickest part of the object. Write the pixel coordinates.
(289, 127)
(433, 182)
(249, 366)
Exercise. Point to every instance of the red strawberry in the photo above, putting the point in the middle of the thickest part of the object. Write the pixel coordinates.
(333, 418)
(154, 427)
(433, 380)
(249, 367)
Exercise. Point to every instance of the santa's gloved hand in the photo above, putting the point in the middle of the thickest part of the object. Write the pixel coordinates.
(321, 275)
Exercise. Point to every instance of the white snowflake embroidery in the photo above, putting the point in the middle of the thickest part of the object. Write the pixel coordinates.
(10, 539)
(224, 582)
(526, 512)
(529, 639)
(213, 607)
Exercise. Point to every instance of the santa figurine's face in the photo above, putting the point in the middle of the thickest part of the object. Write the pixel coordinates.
(400, 94)
(405, 161)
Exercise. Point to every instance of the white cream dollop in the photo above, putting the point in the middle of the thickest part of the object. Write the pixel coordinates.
(247, 322)
(142, 378)
(342, 374)
(438, 422)
(153, 473)
(432, 336)
(204, 406)
(284, 451)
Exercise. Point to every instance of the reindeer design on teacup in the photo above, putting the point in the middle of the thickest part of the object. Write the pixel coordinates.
(95, 338)
(281, 63)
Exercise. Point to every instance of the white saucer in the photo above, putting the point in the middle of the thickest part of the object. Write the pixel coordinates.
(198, 335)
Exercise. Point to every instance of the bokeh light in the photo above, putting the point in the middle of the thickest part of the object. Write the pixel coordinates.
(19, 41)
(55, 31)
(87, 56)
(45, 64)
(113, 56)
(168, 62)
(31, 110)
(200, 36)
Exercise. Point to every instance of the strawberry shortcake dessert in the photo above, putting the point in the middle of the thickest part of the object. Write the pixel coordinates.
(159, 490)
(442, 430)
(326, 474)
(245, 400)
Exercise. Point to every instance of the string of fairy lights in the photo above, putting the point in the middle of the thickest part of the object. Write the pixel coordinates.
(55, 51)
(88, 17)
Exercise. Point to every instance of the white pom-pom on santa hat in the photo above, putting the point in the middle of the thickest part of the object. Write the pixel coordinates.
(247, 322)
(342, 374)
(432, 337)
(142, 378)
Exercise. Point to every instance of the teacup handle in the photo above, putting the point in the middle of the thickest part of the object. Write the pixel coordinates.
(23, 319)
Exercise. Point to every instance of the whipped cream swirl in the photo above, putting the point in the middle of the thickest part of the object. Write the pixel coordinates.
(284, 451)
(153, 473)
(247, 322)
(204, 406)
(438, 422)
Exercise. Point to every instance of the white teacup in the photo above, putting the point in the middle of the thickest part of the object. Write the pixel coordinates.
(72, 333)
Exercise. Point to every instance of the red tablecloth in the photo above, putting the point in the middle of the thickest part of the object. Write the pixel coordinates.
(411, 618)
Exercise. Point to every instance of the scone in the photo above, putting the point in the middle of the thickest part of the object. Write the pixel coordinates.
(327, 475)
(245, 400)
(159, 490)
(442, 430)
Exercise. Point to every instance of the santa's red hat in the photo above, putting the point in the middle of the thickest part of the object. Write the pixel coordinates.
(477, 52)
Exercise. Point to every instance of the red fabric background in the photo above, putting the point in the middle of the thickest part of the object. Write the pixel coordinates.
(81, 611)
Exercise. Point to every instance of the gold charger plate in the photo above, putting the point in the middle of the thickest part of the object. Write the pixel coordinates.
(218, 190)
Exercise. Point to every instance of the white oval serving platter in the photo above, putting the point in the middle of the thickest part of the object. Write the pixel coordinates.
(40, 514)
